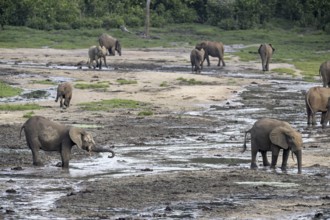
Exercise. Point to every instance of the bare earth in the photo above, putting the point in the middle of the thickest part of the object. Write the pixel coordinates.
(308, 194)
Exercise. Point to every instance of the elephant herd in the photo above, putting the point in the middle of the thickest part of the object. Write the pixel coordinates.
(108, 45)
(203, 50)
(266, 134)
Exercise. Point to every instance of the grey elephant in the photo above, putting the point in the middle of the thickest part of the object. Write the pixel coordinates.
(197, 59)
(324, 72)
(273, 135)
(265, 51)
(41, 133)
(96, 53)
(214, 49)
(327, 115)
(64, 92)
(316, 100)
(111, 43)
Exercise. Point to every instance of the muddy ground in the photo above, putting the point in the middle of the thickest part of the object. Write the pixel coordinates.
(182, 162)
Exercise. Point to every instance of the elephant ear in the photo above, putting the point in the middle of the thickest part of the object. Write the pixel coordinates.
(272, 47)
(278, 137)
(76, 136)
(259, 48)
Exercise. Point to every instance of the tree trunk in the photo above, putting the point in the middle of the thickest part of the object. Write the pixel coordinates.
(147, 21)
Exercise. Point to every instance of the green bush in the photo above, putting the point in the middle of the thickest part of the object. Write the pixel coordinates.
(112, 22)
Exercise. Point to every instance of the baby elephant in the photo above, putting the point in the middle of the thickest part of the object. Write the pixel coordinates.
(96, 53)
(197, 59)
(64, 91)
(47, 135)
(273, 135)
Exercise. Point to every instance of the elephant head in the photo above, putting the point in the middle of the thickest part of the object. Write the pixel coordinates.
(118, 47)
(85, 141)
(288, 138)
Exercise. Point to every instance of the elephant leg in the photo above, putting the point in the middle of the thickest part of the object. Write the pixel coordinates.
(264, 158)
(267, 64)
(285, 159)
(61, 101)
(100, 64)
(313, 119)
(254, 153)
(219, 61)
(275, 152)
(323, 117)
(223, 62)
(208, 60)
(65, 156)
(35, 152)
(105, 62)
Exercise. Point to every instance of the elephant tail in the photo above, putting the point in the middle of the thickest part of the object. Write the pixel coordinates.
(20, 132)
(244, 145)
(308, 104)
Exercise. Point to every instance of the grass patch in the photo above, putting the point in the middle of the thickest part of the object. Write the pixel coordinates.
(8, 91)
(28, 114)
(192, 81)
(145, 113)
(164, 84)
(98, 85)
(15, 107)
(231, 82)
(126, 81)
(45, 82)
(106, 105)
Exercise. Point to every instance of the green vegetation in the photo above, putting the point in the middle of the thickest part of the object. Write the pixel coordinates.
(228, 15)
(28, 114)
(126, 81)
(163, 84)
(8, 91)
(106, 105)
(98, 85)
(46, 82)
(16, 107)
(145, 113)
(191, 81)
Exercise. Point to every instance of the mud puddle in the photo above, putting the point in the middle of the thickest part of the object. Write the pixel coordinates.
(34, 190)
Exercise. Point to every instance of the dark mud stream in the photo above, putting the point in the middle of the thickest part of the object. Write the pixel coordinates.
(32, 192)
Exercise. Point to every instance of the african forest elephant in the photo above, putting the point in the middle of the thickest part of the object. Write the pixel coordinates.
(41, 133)
(325, 73)
(214, 49)
(64, 91)
(111, 43)
(95, 53)
(316, 100)
(265, 51)
(273, 135)
(197, 59)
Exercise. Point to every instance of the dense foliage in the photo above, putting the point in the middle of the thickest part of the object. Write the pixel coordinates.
(226, 14)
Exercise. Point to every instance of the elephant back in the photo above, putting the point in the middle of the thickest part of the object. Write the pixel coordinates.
(107, 41)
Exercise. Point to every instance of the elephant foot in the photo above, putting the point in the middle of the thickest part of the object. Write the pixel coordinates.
(37, 163)
(266, 164)
(272, 167)
(253, 166)
(283, 168)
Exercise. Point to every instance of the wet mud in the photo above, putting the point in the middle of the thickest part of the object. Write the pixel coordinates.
(178, 165)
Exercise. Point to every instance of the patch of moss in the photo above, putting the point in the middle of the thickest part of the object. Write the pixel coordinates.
(8, 91)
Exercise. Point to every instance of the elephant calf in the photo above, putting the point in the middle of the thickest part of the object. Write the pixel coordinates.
(64, 91)
(197, 59)
(41, 133)
(95, 53)
(273, 135)
(265, 51)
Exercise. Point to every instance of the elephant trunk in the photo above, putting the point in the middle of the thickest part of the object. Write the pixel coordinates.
(299, 160)
(104, 149)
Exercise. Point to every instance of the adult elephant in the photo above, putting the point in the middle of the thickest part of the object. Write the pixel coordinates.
(96, 53)
(64, 92)
(324, 72)
(197, 59)
(316, 100)
(266, 51)
(111, 43)
(41, 133)
(273, 135)
(214, 49)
